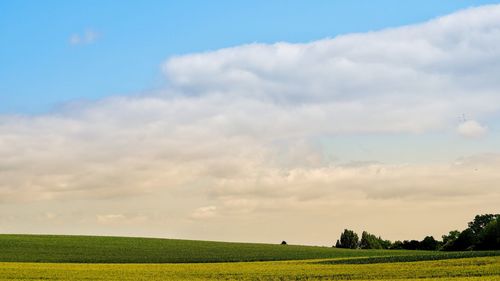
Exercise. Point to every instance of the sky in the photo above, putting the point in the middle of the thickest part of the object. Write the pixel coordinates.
(41, 69)
(255, 121)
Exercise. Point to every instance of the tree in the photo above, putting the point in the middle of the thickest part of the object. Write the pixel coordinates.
(481, 221)
(429, 243)
(411, 245)
(489, 238)
(452, 236)
(370, 241)
(465, 241)
(283, 242)
(386, 244)
(480, 235)
(338, 245)
(449, 240)
(397, 245)
(348, 239)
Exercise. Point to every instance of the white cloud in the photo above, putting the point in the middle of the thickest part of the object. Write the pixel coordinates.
(110, 218)
(409, 79)
(472, 129)
(120, 219)
(204, 213)
(87, 37)
(237, 131)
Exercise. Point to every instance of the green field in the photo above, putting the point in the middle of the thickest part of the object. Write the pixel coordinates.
(39, 257)
(95, 249)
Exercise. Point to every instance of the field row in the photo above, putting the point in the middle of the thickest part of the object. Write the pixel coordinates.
(415, 257)
(470, 269)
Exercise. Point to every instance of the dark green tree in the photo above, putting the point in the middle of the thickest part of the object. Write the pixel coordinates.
(370, 241)
(411, 245)
(481, 221)
(397, 245)
(429, 243)
(489, 237)
(465, 241)
(338, 245)
(348, 239)
(449, 240)
(386, 244)
(480, 235)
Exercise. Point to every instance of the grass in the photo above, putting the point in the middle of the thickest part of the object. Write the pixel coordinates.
(95, 249)
(469, 269)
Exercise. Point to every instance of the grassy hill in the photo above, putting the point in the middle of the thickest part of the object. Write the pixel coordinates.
(98, 249)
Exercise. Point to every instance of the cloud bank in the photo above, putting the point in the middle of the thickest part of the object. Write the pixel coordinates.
(234, 137)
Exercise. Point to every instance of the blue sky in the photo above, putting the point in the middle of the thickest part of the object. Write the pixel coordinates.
(40, 69)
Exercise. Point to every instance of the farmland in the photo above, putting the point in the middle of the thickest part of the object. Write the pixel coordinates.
(470, 269)
(42, 257)
(100, 249)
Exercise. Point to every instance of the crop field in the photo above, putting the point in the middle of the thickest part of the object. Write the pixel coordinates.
(484, 268)
(98, 249)
(39, 257)
(414, 257)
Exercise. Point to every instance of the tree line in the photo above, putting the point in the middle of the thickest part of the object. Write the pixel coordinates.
(483, 233)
